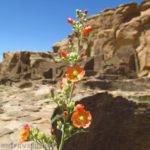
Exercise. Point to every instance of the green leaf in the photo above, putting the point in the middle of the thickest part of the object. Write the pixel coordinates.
(55, 118)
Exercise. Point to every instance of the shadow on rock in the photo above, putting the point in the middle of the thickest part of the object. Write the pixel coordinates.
(117, 125)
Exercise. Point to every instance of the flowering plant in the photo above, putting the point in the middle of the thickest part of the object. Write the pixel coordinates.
(74, 118)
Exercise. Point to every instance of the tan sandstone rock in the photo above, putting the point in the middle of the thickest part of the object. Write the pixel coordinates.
(125, 28)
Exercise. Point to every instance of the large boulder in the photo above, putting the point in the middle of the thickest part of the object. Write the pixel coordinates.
(117, 124)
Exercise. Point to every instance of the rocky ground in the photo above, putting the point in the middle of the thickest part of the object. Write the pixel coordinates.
(19, 106)
(21, 103)
(28, 102)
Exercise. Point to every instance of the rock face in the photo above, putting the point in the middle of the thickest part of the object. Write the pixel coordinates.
(118, 47)
(119, 43)
(29, 65)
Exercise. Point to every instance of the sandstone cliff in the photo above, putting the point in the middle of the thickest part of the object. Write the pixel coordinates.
(29, 65)
(119, 43)
(118, 46)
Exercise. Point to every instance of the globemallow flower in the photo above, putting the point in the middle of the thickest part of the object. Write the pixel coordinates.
(75, 73)
(81, 118)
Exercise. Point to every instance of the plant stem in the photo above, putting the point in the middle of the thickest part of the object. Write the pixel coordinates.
(62, 140)
(70, 96)
(79, 41)
(40, 143)
(78, 44)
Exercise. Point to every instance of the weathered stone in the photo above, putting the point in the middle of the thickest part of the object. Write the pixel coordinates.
(6, 81)
(44, 126)
(48, 81)
(116, 124)
(25, 85)
(124, 30)
(30, 118)
(6, 118)
(17, 114)
(31, 109)
(5, 142)
(145, 5)
(1, 111)
(28, 65)
(4, 131)
(14, 125)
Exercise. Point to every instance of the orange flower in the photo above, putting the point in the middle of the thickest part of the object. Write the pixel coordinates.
(86, 30)
(25, 133)
(63, 53)
(75, 73)
(81, 118)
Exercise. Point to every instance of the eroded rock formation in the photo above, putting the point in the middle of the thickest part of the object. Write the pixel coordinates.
(29, 65)
(119, 43)
(118, 46)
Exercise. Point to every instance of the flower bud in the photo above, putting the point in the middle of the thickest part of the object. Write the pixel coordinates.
(65, 113)
(78, 13)
(59, 125)
(35, 132)
(89, 28)
(52, 130)
(85, 11)
(70, 128)
(84, 32)
(26, 127)
(79, 107)
(63, 54)
(70, 20)
(56, 60)
(41, 136)
(52, 90)
(71, 105)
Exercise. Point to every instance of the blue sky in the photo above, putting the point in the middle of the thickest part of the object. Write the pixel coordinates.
(37, 24)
